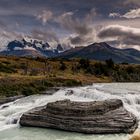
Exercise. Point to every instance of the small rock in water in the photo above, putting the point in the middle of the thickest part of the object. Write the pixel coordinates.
(69, 92)
(15, 121)
(12, 121)
(5, 106)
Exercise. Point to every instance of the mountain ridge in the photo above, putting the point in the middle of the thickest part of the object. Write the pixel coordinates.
(96, 51)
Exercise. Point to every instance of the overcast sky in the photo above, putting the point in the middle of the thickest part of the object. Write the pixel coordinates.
(72, 22)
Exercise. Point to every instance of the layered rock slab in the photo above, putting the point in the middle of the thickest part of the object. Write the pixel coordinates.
(97, 117)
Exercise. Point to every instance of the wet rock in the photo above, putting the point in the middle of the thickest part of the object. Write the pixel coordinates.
(69, 92)
(97, 117)
(10, 99)
(50, 91)
(5, 106)
(14, 121)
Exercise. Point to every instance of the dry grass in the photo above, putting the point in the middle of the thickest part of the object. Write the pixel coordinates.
(20, 73)
(16, 64)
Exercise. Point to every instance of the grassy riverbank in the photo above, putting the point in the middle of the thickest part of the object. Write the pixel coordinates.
(34, 75)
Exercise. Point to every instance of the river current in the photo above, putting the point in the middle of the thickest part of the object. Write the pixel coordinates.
(10, 113)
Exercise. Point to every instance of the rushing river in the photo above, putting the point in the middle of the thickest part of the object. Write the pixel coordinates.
(129, 93)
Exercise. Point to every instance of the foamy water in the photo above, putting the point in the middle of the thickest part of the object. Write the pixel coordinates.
(10, 113)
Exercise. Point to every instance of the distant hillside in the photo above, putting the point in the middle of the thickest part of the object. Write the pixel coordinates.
(102, 51)
(22, 53)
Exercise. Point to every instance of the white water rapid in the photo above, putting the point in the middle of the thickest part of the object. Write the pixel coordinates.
(10, 113)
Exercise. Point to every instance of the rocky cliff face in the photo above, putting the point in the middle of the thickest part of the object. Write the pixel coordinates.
(98, 117)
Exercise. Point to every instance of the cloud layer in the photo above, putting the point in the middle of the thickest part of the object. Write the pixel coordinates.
(82, 32)
(121, 34)
(45, 16)
(133, 13)
(71, 22)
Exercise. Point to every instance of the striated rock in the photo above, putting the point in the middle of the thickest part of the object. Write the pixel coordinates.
(98, 117)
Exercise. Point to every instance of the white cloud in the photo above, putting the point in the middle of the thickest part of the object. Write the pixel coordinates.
(124, 46)
(6, 37)
(45, 16)
(132, 14)
(114, 15)
(81, 30)
(135, 13)
(121, 34)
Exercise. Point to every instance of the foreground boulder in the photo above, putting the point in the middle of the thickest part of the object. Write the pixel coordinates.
(135, 136)
(98, 117)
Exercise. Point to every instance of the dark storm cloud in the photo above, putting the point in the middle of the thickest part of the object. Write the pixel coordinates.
(69, 22)
(44, 10)
(135, 3)
(122, 34)
(72, 19)
(82, 29)
(44, 35)
(58, 6)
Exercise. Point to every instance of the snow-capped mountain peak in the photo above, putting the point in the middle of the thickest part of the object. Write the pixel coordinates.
(29, 44)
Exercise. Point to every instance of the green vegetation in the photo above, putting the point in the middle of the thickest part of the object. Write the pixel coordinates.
(27, 86)
(62, 66)
(29, 76)
(116, 72)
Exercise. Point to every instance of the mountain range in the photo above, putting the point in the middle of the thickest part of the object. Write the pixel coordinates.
(96, 51)
(31, 47)
(102, 51)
